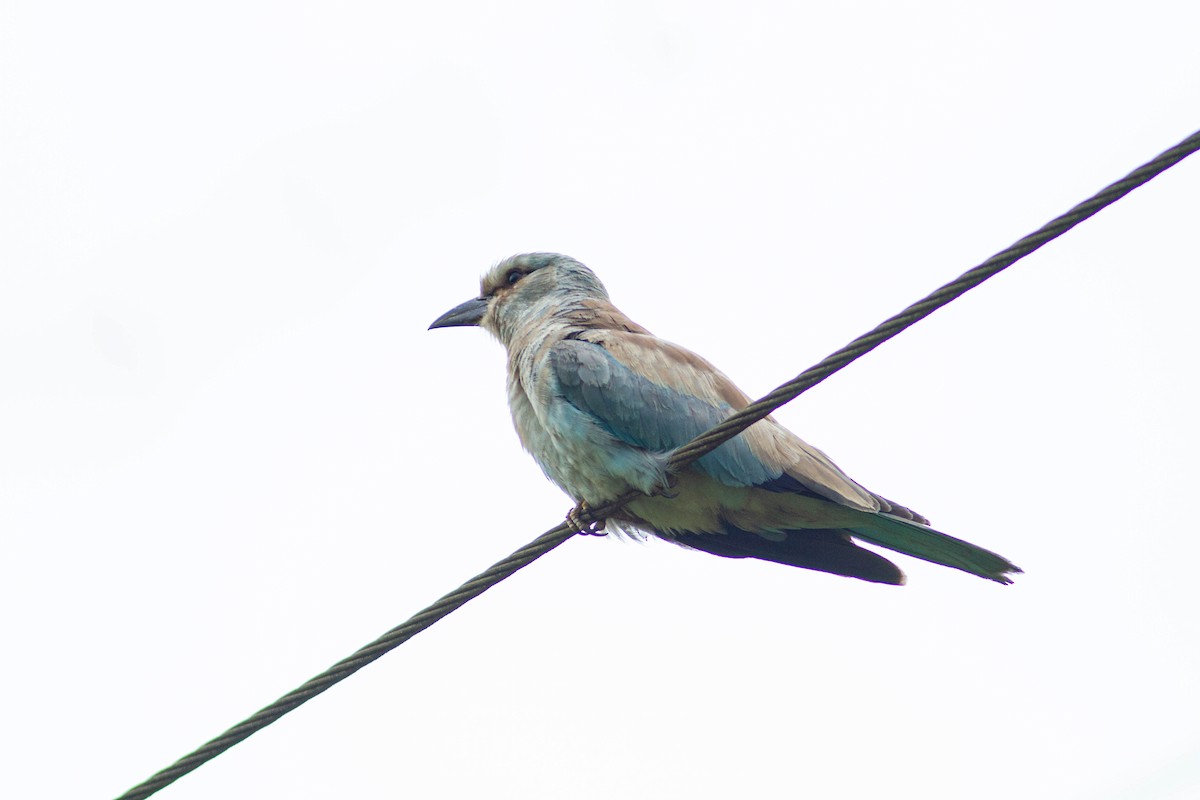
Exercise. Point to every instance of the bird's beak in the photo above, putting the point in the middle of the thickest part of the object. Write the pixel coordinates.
(468, 313)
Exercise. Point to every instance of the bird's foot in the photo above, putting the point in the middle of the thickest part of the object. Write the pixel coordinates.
(576, 523)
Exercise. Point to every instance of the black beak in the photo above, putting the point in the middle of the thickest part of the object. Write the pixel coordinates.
(468, 313)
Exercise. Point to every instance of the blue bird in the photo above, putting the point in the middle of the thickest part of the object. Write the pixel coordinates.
(600, 402)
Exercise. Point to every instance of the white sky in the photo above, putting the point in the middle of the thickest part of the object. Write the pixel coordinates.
(231, 453)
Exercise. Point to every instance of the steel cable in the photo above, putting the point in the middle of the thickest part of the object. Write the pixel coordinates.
(679, 460)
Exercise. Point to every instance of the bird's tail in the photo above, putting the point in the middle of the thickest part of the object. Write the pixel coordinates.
(921, 541)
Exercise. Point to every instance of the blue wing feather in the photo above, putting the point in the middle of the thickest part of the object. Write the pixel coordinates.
(646, 414)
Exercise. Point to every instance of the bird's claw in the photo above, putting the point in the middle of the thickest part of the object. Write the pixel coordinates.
(576, 523)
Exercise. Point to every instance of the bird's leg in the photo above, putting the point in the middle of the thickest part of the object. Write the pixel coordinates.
(576, 523)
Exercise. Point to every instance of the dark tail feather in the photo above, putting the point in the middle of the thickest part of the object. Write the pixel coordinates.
(921, 541)
(822, 550)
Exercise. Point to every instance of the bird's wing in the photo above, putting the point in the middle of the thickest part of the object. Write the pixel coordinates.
(656, 395)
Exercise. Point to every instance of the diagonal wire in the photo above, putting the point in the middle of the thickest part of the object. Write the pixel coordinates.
(918, 311)
(680, 459)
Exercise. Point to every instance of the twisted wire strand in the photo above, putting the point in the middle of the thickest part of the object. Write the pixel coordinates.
(864, 344)
(679, 460)
(353, 663)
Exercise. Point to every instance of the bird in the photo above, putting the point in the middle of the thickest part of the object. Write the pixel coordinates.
(600, 403)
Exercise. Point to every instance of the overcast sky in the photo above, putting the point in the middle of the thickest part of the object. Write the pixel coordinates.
(231, 453)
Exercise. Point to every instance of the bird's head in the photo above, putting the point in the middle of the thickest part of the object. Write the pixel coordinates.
(525, 290)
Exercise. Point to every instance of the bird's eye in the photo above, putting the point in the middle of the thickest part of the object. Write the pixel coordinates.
(513, 276)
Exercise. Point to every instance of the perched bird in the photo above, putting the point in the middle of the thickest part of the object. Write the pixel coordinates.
(600, 402)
